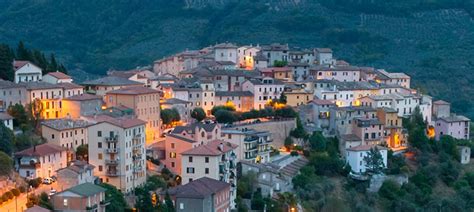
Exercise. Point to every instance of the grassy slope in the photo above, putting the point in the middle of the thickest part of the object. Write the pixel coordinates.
(434, 46)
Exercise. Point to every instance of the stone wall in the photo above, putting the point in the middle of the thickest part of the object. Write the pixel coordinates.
(279, 129)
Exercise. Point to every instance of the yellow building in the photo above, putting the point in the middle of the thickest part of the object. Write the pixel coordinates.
(298, 97)
(145, 102)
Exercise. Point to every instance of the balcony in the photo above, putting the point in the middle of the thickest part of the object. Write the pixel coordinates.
(250, 139)
(138, 169)
(112, 162)
(31, 166)
(112, 173)
(137, 157)
(113, 139)
(112, 150)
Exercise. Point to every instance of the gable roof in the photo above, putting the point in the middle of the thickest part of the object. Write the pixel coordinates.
(59, 75)
(191, 128)
(5, 116)
(37, 209)
(123, 121)
(18, 64)
(111, 81)
(199, 189)
(85, 189)
(78, 167)
(213, 148)
(83, 97)
(65, 124)
(41, 150)
(133, 91)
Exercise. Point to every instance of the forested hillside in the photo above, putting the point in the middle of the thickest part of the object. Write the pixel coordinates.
(432, 40)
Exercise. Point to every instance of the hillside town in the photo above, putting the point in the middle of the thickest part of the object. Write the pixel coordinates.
(179, 134)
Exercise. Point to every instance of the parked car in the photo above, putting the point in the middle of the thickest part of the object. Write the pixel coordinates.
(47, 181)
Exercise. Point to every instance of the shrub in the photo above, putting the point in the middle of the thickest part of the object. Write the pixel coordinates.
(16, 192)
(22, 189)
(294, 153)
(9, 194)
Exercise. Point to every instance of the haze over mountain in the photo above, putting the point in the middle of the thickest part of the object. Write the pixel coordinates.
(432, 40)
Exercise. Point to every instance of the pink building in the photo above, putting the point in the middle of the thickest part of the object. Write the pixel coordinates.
(370, 130)
(454, 125)
(184, 138)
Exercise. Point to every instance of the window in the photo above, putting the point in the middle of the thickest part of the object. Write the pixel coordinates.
(172, 154)
(99, 156)
(100, 168)
(65, 202)
(190, 170)
(52, 136)
(190, 159)
(99, 145)
(181, 206)
(206, 170)
(99, 133)
(206, 159)
(172, 145)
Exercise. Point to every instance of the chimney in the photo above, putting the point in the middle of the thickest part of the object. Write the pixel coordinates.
(34, 148)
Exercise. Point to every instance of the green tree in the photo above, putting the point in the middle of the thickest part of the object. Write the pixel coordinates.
(82, 152)
(169, 202)
(6, 139)
(22, 53)
(44, 201)
(6, 164)
(299, 131)
(374, 160)
(389, 190)
(288, 143)
(6, 58)
(282, 99)
(115, 197)
(318, 142)
(154, 182)
(279, 63)
(221, 107)
(198, 114)
(19, 114)
(35, 109)
(169, 116)
(143, 201)
(225, 116)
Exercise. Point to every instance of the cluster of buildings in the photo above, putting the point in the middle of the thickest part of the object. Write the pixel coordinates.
(118, 117)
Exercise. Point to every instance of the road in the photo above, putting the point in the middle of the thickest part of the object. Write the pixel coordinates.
(19, 204)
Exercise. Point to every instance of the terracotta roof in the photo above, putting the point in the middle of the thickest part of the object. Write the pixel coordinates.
(324, 50)
(83, 97)
(69, 85)
(5, 116)
(17, 64)
(225, 46)
(212, 148)
(9, 84)
(133, 91)
(39, 85)
(41, 150)
(59, 75)
(78, 167)
(350, 137)
(199, 189)
(365, 148)
(37, 209)
(455, 118)
(234, 93)
(173, 101)
(181, 137)
(276, 69)
(123, 122)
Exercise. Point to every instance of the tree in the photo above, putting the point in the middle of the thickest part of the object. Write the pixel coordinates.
(44, 201)
(299, 131)
(35, 109)
(169, 116)
(225, 116)
(6, 164)
(282, 99)
(169, 202)
(22, 53)
(6, 139)
(154, 182)
(288, 143)
(82, 152)
(279, 63)
(198, 114)
(19, 114)
(374, 161)
(115, 197)
(6, 57)
(143, 201)
(222, 107)
(318, 142)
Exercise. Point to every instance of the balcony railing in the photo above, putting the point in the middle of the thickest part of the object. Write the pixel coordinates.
(112, 162)
(138, 169)
(113, 139)
(137, 157)
(112, 150)
(112, 173)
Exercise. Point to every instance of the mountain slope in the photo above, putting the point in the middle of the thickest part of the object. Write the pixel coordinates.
(432, 40)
